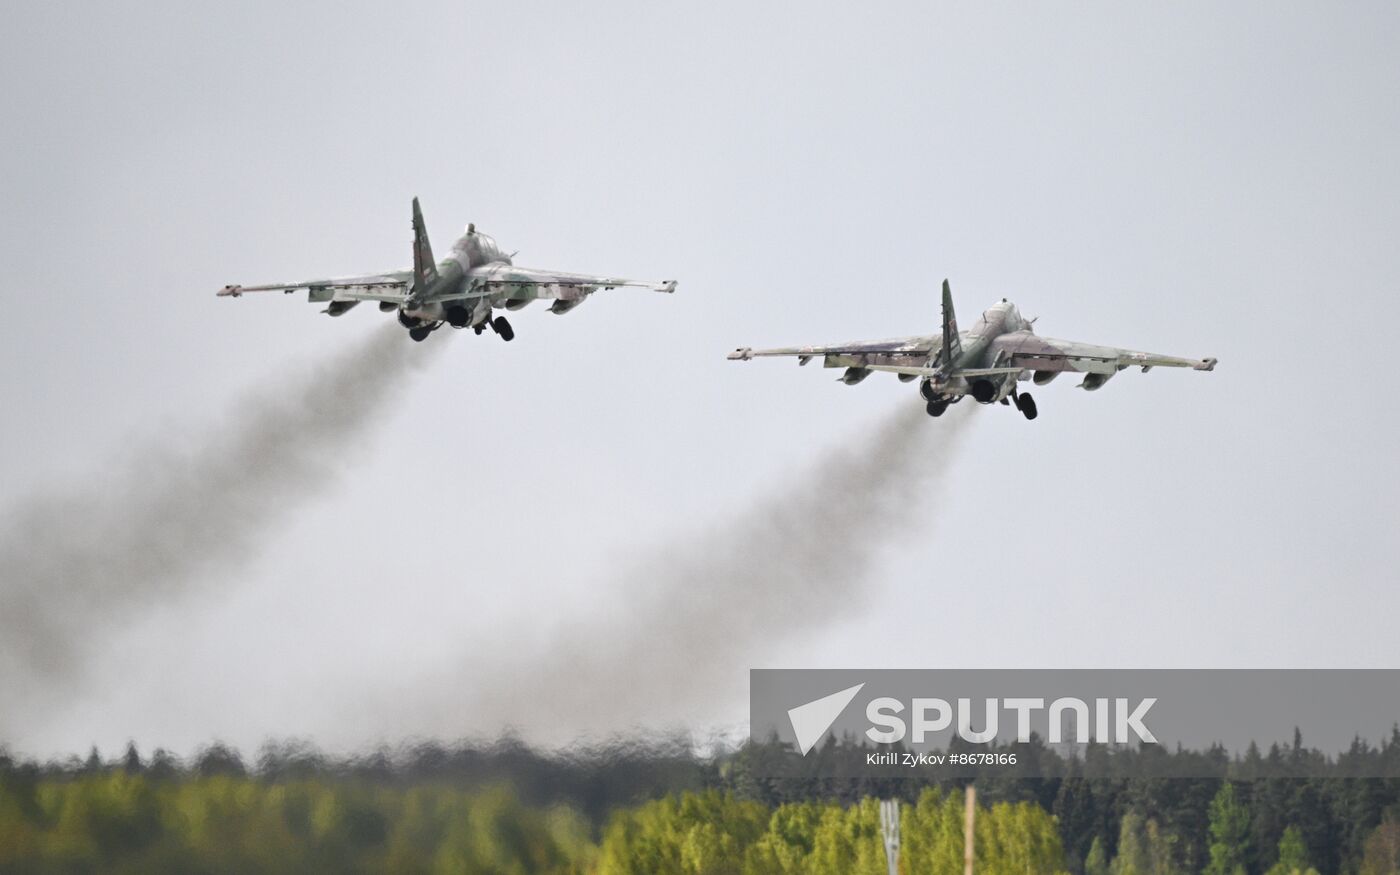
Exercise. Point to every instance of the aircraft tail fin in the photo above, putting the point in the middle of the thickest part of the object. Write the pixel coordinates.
(424, 268)
(951, 349)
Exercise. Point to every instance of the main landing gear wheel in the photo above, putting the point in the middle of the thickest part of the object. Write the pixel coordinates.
(936, 408)
(1026, 404)
(502, 327)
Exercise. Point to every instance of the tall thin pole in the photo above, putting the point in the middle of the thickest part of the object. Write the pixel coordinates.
(889, 828)
(969, 832)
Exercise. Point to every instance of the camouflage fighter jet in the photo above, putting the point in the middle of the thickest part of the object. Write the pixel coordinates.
(985, 362)
(461, 290)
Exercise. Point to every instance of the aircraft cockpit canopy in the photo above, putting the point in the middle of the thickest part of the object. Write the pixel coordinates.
(481, 248)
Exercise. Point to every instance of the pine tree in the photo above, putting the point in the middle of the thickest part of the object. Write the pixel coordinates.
(131, 761)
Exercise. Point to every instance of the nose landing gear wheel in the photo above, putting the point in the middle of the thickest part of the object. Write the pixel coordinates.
(936, 408)
(419, 334)
(1026, 404)
(502, 327)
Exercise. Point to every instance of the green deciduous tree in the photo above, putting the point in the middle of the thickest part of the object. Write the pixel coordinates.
(1144, 849)
(1229, 833)
(1292, 855)
(1096, 862)
(1382, 854)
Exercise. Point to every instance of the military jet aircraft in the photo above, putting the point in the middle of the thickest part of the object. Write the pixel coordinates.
(985, 362)
(461, 290)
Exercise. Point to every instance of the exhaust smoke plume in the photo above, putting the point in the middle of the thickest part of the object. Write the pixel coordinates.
(177, 514)
(672, 638)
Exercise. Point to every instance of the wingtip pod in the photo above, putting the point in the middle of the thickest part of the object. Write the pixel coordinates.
(668, 286)
(1206, 364)
(230, 291)
(742, 354)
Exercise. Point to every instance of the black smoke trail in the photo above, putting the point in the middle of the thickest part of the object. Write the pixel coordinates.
(674, 633)
(176, 515)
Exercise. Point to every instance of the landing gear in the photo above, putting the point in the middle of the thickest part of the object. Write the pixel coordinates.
(502, 327)
(419, 334)
(936, 408)
(1026, 404)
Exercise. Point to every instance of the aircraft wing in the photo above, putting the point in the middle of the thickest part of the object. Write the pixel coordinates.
(527, 283)
(392, 287)
(856, 353)
(1031, 352)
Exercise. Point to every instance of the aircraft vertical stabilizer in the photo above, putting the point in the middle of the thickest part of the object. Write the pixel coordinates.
(424, 269)
(952, 346)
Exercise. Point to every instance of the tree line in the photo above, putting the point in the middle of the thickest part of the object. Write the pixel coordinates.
(660, 807)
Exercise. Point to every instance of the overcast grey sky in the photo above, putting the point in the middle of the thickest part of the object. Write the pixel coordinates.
(1192, 179)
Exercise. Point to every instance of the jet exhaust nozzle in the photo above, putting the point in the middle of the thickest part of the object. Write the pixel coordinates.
(458, 317)
(984, 391)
